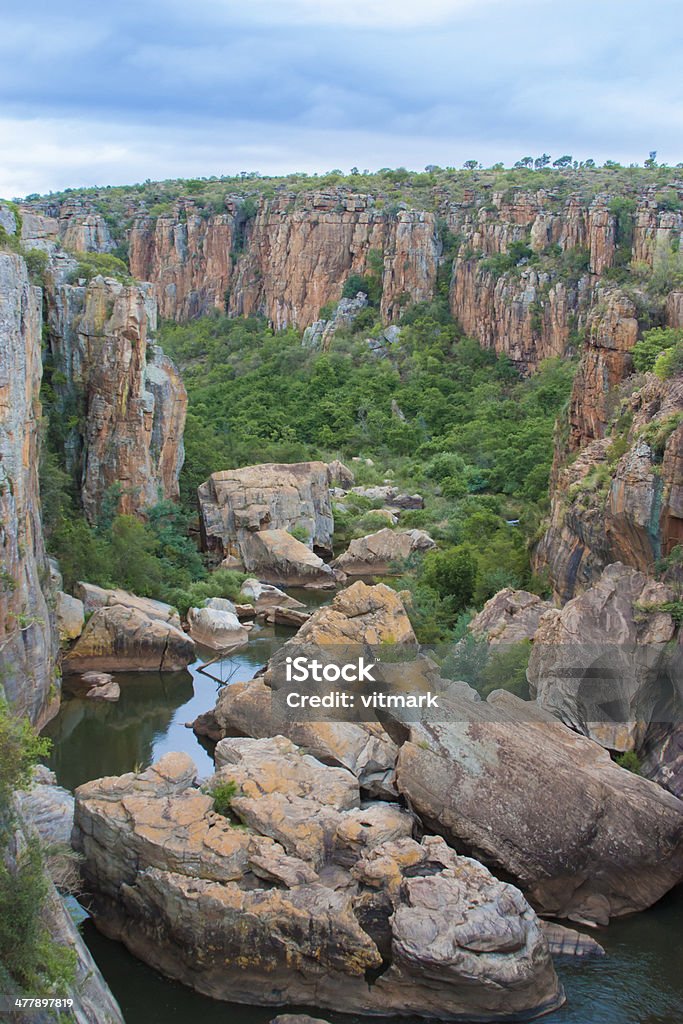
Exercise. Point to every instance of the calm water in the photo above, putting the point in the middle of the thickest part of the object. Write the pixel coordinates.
(639, 982)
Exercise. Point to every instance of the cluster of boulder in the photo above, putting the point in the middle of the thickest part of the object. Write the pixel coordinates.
(304, 893)
(276, 521)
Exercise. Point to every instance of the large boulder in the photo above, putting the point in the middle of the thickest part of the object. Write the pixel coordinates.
(380, 552)
(217, 626)
(509, 617)
(264, 596)
(309, 899)
(278, 557)
(502, 779)
(120, 638)
(70, 616)
(236, 503)
(603, 664)
(94, 598)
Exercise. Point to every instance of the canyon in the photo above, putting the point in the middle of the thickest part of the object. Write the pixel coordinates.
(530, 275)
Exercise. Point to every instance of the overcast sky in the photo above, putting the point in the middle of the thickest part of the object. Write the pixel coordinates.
(98, 93)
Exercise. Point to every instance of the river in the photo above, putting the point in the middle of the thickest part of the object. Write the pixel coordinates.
(640, 981)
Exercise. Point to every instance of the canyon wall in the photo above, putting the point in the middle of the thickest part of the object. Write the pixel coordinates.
(285, 258)
(28, 652)
(122, 399)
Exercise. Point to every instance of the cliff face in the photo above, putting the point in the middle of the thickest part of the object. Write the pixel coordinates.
(621, 498)
(126, 399)
(286, 261)
(188, 257)
(27, 639)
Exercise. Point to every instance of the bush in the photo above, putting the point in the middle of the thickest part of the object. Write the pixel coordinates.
(655, 341)
(90, 264)
(670, 362)
(223, 794)
(629, 760)
(452, 574)
(221, 583)
(29, 959)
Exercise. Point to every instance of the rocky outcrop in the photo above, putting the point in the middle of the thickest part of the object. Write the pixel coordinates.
(127, 633)
(314, 901)
(509, 617)
(74, 225)
(527, 317)
(187, 256)
(94, 598)
(285, 259)
(482, 778)
(360, 615)
(47, 811)
(128, 398)
(70, 616)
(605, 665)
(236, 503)
(216, 625)
(278, 557)
(28, 641)
(382, 551)
(611, 333)
(621, 498)
(246, 515)
(265, 597)
(321, 332)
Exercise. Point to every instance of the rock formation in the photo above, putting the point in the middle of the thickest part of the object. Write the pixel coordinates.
(508, 617)
(216, 625)
(315, 901)
(482, 778)
(28, 640)
(621, 498)
(126, 633)
(608, 665)
(236, 503)
(128, 397)
(380, 552)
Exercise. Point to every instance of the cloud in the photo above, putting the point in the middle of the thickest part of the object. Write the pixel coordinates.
(131, 91)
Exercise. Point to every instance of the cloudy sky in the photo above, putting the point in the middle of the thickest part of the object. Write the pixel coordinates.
(110, 93)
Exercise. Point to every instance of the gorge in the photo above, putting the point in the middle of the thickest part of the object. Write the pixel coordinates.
(487, 412)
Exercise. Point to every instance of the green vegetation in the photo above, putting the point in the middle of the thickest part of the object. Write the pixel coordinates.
(31, 963)
(561, 178)
(629, 760)
(223, 794)
(654, 342)
(90, 264)
(476, 439)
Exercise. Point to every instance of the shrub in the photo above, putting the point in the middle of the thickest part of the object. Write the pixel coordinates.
(652, 344)
(452, 574)
(221, 583)
(90, 264)
(670, 362)
(629, 760)
(223, 794)
(29, 958)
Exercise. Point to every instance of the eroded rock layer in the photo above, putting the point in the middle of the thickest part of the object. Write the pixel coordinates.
(28, 639)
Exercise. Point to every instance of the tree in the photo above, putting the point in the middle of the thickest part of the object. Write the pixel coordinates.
(452, 574)
(541, 161)
(652, 160)
(526, 161)
(471, 165)
(562, 161)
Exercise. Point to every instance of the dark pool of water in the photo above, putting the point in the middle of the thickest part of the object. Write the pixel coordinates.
(639, 982)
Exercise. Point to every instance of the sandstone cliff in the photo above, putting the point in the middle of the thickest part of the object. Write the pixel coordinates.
(621, 498)
(27, 638)
(123, 401)
(287, 260)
